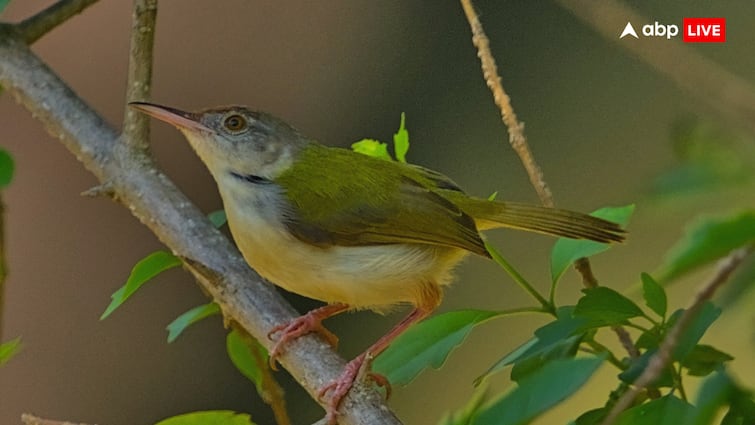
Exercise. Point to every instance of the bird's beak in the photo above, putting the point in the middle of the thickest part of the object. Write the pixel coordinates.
(181, 119)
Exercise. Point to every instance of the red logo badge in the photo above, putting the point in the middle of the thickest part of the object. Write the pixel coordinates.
(704, 30)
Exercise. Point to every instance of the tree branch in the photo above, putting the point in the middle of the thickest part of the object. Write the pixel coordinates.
(662, 357)
(33, 28)
(516, 129)
(242, 295)
(136, 124)
(732, 97)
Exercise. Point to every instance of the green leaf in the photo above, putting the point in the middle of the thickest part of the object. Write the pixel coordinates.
(715, 393)
(493, 196)
(372, 148)
(704, 359)
(7, 165)
(567, 251)
(566, 348)
(654, 294)
(538, 392)
(740, 284)
(209, 417)
(592, 417)
(602, 306)
(147, 268)
(217, 218)
(9, 349)
(427, 343)
(550, 338)
(176, 327)
(707, 240)
(249, 357)
(695, 330)
(3, 4)
(667, 410)
(638, 365)
(401, 141)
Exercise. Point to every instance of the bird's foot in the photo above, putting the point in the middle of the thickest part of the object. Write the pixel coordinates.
(357, 369)
(302, 325)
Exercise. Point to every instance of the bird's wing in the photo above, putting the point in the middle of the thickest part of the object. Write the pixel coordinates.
(375, 202)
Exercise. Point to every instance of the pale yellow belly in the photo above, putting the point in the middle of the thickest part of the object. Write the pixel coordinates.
(374, 277)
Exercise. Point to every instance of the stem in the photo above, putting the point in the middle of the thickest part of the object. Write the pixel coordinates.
(135, 124)
(600, 348)
(519, 279)
(34, 27)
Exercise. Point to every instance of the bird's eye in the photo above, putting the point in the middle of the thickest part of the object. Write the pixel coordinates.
(235, 123)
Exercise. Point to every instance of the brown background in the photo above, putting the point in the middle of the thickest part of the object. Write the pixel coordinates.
(598, 120)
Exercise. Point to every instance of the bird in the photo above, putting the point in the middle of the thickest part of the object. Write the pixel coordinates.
(351, 230)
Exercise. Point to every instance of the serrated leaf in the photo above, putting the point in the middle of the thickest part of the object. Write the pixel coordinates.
(176, 327)
(401, 141)
(538, 392)
(705, 241)
(249, 357)
(654, 294)
(667, 410)
(217, 218)
(547, 338)
(704, 359)
(372, 148)
(427, 343)
(567, 251)
(9, 349)
(210, 417)
(602, 306)
(147, 268)
(7, 166)
(695, 330)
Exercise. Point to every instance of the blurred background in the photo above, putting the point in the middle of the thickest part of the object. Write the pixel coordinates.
(604, 126)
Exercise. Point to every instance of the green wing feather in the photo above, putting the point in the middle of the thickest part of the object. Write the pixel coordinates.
(371, 202)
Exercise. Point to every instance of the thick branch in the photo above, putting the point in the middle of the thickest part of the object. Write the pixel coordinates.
(135, 124)
(33, 28)
(662, 357)
(732, 97)
(243, 296)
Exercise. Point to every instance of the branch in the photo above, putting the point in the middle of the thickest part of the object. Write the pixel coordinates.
(242, 295)
(516, 129)
(662, 357)
(730, 96)
(33, 28)
(28, 419)
(135, 124)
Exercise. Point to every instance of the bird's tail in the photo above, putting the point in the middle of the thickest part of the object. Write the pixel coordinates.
(551, 221)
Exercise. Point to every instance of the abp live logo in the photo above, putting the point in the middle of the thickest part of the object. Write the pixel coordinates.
(695, 30)
(704, 30)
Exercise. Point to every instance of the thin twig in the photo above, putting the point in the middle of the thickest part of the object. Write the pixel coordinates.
(515, 128)
(730, 96)
(28, 419)
(3, 265)
(139, 80)
(662, 357)
(34, 27)
(135, 124)
(218, 267)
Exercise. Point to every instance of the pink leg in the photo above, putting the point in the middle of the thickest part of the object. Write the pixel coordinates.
(302, 325)
(361, 365)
